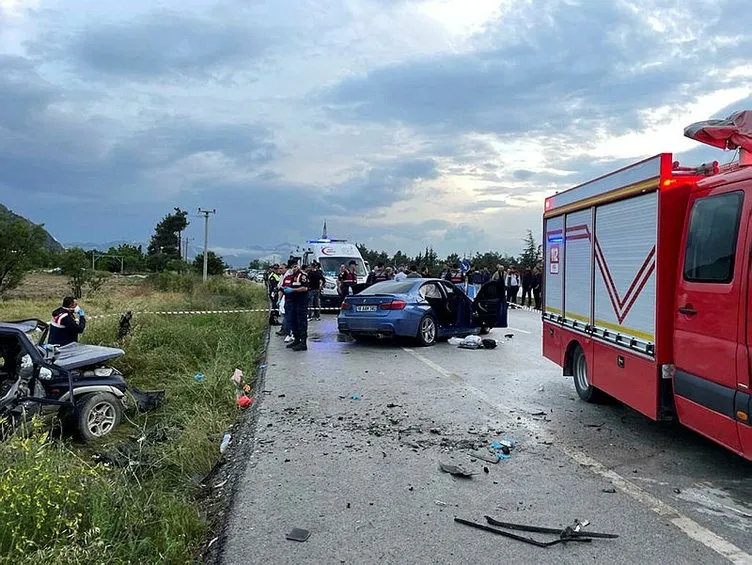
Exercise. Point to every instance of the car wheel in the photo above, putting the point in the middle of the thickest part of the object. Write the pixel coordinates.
(97, 415)
(585, 390)
(427, 331)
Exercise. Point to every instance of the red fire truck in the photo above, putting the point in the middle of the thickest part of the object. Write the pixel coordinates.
(648, 287)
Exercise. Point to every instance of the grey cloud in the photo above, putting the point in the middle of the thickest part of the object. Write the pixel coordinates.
(384, 184)
(44, 151)
(522, 174)
(576, 69)
(160, 43)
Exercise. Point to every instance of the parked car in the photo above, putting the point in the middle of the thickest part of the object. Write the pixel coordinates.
(424, 309)
(73, 382)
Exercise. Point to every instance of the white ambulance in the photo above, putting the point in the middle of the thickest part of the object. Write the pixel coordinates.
(331, 254)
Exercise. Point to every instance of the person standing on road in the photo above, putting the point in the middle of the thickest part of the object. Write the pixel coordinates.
(287, 316)
(272, 282)
(537, 284)
(297, 292)
(401, 274)
(414, 274)
(64, 328)
(527, 287)
(513, 285)
(349, 280)
(316, 284)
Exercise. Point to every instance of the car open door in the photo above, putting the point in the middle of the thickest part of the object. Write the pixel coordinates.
(490, 305)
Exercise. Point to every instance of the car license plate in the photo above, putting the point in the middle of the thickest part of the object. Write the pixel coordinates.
(365, 308)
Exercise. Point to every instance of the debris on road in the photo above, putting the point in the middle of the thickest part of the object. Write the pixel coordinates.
(298, 534)
(487, 457)
(503, 448)
(611, 490)
(355, 397)
(472, 342)
(440, 503)
(489, 343)
(572, 533)
(225, 442)
(455, 470)
(435, 431)
(509, 336)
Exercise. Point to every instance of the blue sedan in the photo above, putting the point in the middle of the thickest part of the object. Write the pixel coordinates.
(425, 309)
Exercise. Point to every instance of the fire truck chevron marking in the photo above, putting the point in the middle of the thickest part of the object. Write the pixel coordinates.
(621, 305)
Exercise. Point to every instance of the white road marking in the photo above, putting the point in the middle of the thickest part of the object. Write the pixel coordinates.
(519, 330)
(692, 529)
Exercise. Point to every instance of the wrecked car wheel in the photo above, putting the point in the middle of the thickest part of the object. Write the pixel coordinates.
(427, 331)
(98, 414)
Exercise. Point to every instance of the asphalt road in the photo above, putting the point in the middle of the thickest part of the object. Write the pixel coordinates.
(362, 475)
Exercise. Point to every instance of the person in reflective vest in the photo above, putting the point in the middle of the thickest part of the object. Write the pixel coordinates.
(349, 280)
(297, 294)
(64, 328)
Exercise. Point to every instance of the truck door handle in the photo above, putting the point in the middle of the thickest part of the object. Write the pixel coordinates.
(687, 310)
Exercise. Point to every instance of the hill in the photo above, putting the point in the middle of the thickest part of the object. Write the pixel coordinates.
(51, 244)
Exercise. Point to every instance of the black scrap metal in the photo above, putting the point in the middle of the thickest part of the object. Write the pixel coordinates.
(566, 535)
(566, 532)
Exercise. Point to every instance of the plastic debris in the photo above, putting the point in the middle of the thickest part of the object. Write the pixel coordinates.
(355, 397)
(225, 442)
(298, 534)
(471, 342)
(199, 377)
(237, 376)
(503, 448)
(263, 366)
(439, 503)
(245, 401)
(454, 341)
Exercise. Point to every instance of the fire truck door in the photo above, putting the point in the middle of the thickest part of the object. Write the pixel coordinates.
(711, 277)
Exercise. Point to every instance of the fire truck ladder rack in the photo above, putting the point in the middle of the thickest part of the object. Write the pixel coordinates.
(616, 338)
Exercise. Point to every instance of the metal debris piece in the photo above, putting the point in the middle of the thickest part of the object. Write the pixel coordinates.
(569, 531)
(510, 535)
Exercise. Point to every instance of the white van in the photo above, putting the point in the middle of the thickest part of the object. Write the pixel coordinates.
(331, 254)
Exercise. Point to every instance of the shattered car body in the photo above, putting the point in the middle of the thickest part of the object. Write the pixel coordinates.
(73, 382)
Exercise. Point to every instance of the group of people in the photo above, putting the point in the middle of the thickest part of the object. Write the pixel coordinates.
(295, 294)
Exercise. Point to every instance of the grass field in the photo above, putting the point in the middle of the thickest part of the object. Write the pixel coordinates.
(57, 505)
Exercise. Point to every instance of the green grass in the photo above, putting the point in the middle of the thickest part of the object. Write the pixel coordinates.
(146, 514)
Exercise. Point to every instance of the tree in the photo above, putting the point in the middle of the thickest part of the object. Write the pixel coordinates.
(166, 238)
(21, 246)
(215, 264)
(531, 255)
(256, 264)
(75, 265)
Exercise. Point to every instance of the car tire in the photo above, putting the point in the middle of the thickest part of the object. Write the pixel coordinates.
(428, 331)
(97, 415)
(585, 390)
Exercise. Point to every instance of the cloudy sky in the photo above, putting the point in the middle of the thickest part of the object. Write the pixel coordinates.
(403, 123)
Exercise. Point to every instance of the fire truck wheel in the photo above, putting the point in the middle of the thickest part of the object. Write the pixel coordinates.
(585, 390)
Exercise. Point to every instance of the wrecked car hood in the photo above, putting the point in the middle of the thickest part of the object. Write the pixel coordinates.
(77, 355)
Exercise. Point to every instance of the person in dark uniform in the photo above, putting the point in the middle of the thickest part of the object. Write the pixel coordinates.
(297, 293)
(64, 328)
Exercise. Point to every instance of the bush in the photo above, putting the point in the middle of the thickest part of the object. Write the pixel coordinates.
(172, 282)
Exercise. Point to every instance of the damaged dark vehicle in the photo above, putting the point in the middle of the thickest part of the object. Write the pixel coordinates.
(73, 382)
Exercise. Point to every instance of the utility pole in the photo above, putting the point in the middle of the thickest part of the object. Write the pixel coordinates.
(206, 239)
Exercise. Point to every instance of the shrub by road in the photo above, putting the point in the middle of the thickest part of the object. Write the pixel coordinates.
(60, 504)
